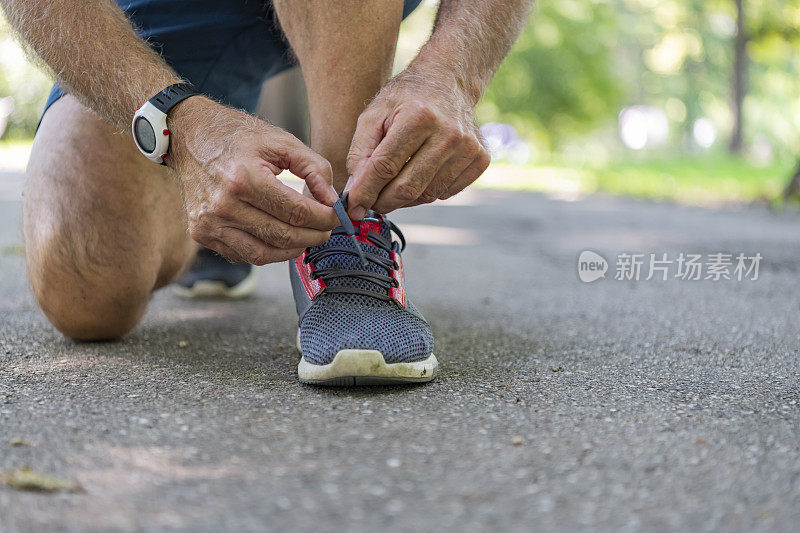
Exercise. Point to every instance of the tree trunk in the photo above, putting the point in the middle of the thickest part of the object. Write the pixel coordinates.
(739, 78)
(792, 189)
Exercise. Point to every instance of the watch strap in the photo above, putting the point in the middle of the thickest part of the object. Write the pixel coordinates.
(170, 96)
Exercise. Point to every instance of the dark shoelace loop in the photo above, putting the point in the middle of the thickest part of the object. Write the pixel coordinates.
(379, 241)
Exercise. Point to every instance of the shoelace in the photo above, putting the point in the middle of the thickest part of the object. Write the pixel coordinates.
(348, 228)
(340, 208)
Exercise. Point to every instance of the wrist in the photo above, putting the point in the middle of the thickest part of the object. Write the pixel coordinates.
(442, 68)
(182, 121)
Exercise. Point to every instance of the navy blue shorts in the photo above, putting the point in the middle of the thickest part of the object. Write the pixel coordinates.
(226, 48)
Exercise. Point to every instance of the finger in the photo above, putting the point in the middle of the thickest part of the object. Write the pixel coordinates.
(404, 138)
(225, 251)
(274, 232)
(417, 175)
(447, 174)
(253, 250)
(470, 174)
(368, 135)
(311, 167)
(272, 196)
(200, 234)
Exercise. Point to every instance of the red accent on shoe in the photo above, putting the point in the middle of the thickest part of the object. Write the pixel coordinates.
(364, 227)
(304, 270)
(399, 292)
(165, 132)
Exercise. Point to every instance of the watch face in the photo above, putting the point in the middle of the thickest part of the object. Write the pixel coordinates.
(145, 136)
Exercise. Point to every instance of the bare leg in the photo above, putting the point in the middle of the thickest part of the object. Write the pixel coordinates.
(104, 227)
(345, 49)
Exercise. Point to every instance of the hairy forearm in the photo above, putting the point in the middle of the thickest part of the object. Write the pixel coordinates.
(94, 52)
(470, 38)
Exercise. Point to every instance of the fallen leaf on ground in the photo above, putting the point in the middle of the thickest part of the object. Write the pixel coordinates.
(16, 441)
(26, 479)
(14, 249)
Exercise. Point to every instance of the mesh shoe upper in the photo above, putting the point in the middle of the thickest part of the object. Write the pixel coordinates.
(342, 317)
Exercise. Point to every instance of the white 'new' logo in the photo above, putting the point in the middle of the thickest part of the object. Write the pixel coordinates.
(591, 266)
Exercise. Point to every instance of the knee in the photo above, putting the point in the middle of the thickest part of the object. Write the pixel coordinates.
(86, 300)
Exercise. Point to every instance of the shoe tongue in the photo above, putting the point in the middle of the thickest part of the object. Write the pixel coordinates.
(344, 261)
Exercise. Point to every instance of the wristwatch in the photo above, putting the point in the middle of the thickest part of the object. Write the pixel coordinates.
(149, 125)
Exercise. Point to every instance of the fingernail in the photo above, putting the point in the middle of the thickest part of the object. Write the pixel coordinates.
(335, 194)
(358, 212)
(347, 185)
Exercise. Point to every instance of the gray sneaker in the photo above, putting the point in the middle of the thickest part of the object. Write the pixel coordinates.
(213, 276)
(356, 326)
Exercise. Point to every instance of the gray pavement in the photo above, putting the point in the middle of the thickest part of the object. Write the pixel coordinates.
(615, 405)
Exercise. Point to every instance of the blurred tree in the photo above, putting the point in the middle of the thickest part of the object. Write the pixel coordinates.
(580, 61)
(774, 38)
(559, 80)
(739, 83)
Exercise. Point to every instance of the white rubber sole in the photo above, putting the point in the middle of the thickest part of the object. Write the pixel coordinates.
(217, 289)
(365, 367)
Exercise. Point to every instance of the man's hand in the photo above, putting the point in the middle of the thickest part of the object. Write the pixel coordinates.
(415, 143)
(227, 162)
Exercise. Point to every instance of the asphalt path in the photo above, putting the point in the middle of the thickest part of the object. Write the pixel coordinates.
(616, 405)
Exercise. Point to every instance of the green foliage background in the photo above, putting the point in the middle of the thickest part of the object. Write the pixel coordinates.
(579, 62)
(559, 80)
